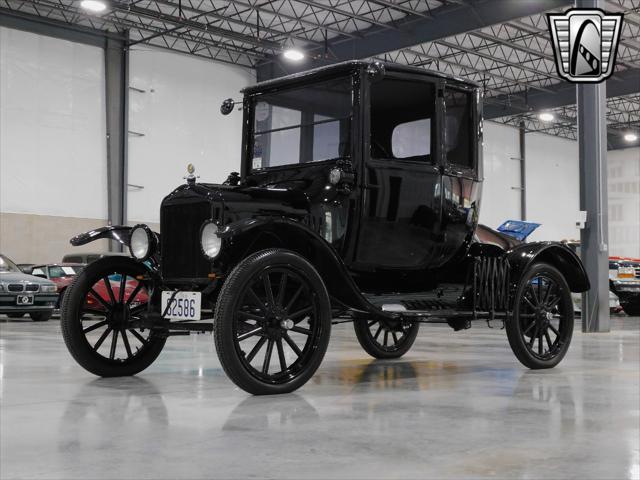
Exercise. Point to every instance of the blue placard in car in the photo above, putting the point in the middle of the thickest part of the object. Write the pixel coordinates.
(518, 229)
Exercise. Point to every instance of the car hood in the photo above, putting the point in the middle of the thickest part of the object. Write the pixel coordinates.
(17, 277)
(242, 201)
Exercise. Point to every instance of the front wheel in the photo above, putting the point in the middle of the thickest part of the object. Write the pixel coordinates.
(541, 327)
(272, 322)
(98, 319)
(380, 340)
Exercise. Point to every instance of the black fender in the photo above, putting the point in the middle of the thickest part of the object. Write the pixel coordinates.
(557, 254)
(252, 234)
(119, 233)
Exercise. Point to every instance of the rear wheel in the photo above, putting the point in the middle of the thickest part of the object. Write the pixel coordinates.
(380, 340)
(541, 327)
(41, 316)
(272, 322)
(98, 319)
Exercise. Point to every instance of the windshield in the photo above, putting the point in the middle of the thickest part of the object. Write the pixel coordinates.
(7, 265)
(63, 271)
(304, 124)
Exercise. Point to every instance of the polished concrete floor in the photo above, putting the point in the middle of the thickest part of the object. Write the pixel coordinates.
(457, 406)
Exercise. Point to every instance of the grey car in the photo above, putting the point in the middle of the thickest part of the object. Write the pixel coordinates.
(21, 293)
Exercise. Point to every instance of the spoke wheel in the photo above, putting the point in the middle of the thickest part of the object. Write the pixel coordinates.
(542, 325)
(272, 322)
(99, 315)
(385, 340)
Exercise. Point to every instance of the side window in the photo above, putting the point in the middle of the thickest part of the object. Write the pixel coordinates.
(459, 128)
(402, 120)
(38, 271)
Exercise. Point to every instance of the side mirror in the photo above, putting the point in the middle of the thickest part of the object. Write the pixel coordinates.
(227, 106)
(27, 270)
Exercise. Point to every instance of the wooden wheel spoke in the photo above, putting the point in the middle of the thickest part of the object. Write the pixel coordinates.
(533, 337)
(133, 294)
(95, 326)
(136, 310)
(123, 286)
(304, 331)
(301, 312)
(532, 289)
(99, 298)
(293, 299)
(395, 337)
(528, 302)
(267, 357)
(370, 323)
(93, 311)
(282, 289)
(283, 362)
(377, 334)
(102, 338)
(251, 316)
(268, 289)
(540, 342)
(107, 284)
(553, 329)
(548, 339)
(256, 348)
(127, 347)
(249, 334)
(142, 340)
(531, 325)
(114, 343)
(386, 337)
(292, 344)
(255, 299)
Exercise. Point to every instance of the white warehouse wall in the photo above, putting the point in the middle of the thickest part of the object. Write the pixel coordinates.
(179, 115)
(624, 202)
(52, 144)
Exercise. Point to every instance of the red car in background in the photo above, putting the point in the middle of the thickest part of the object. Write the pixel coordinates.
(62, 275)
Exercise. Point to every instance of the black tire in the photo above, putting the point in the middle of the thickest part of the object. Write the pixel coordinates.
(60, 299)
(631, 309)
(542, 309)
(81, 306)
(249, 309)
(41, 316)
(381, 341)
(15, 315)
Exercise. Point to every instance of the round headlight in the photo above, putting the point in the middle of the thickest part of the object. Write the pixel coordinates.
(140, 242)
(209, 240)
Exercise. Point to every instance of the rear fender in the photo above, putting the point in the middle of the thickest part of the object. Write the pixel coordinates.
(560, 256)
(250, 235)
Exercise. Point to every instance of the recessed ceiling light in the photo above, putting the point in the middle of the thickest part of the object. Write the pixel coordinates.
(293, 55)
(630, 137)
(93, 5)
(546, 117)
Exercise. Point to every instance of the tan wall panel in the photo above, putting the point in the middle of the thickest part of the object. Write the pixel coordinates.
(42, 239)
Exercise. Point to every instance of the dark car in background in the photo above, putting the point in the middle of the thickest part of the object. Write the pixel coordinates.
(21, 293)
(62, 274)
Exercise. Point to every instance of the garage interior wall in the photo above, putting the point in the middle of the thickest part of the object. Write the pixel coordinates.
(624, 202)
(53, 173)
(174, 120)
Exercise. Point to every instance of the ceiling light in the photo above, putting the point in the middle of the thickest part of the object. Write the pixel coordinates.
(293, 55)
(546, 117)
(630, 137)
(93, 5)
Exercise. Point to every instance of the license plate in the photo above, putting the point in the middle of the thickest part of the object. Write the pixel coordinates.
(185, 305)
(24, 300)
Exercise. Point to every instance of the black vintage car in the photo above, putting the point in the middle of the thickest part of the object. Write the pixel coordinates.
(357, 200)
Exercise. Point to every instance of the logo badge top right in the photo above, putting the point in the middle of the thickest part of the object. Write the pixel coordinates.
(585, 43)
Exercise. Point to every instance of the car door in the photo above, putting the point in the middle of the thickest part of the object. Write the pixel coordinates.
(461, 156)
(400, 212)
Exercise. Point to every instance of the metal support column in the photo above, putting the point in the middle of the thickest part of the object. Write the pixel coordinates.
(523, 173)
(592, 142)
(117, 92)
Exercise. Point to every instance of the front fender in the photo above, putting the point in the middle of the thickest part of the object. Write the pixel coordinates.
(249, 235)
(119, 233)
(557, 254)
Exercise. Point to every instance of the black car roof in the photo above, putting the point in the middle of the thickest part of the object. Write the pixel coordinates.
(347, 66)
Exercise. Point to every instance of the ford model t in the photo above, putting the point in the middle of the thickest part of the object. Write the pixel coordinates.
(357, 199)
